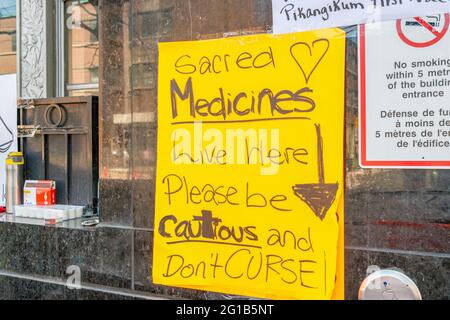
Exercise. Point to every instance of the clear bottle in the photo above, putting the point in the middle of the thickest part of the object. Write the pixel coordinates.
(14, 180)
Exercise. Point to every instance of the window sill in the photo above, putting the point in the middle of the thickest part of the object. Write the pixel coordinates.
(68, 224)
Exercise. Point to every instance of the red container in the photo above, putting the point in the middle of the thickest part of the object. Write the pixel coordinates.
(39, 192)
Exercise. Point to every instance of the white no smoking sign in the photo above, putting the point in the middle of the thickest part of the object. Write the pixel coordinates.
(405, 93)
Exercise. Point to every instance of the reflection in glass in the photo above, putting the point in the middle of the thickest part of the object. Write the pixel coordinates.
(82, 47)
(7, 36)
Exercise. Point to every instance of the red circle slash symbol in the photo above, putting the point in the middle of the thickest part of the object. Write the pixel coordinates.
(437, 35)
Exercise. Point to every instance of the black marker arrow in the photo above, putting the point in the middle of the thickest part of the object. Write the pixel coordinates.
(318, 196)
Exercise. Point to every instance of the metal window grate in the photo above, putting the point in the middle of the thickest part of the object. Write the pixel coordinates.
(59, 139)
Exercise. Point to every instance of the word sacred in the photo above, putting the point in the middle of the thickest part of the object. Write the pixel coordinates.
(216, 64)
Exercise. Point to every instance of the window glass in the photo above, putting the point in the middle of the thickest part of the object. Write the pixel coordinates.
(7, 36)
(81, 42)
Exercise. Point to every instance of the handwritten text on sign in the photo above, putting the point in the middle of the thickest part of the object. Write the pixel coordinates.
(301, 15)
(249, 164)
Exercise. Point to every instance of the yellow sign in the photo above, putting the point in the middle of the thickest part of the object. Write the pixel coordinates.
(249, 189)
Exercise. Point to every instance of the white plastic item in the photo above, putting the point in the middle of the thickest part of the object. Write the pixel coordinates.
(51, 214)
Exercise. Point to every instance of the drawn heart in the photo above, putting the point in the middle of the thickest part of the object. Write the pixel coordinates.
(314, 53)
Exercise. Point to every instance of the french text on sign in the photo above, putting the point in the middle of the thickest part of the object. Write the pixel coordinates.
(405, 93)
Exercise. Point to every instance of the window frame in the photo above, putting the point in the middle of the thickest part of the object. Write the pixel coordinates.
(15, 49)
(63, 86)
